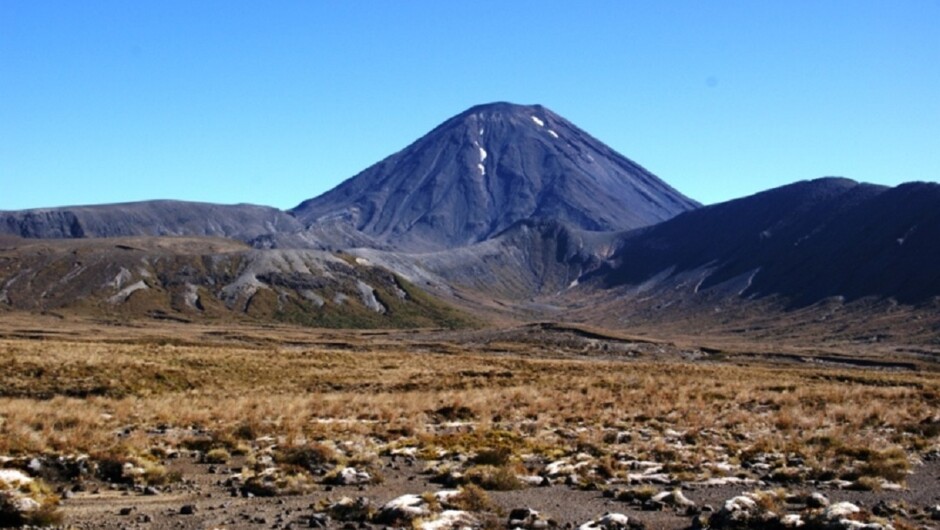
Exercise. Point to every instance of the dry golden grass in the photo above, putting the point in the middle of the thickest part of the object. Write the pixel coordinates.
(137, 396)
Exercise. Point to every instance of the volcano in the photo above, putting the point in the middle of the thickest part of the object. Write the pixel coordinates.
(488, 168)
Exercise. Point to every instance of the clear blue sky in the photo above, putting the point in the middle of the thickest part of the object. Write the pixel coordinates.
(276, 102)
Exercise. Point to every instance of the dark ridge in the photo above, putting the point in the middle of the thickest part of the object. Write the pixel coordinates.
(806, 242)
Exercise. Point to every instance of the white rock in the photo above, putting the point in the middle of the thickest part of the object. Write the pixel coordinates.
(367, 295)
(653, 478)
(558, 468)
(352, 476)
(445, 495)
(120, 280)
(610, 521)
(643, 464)
(674, 498)
(25, 504)
(817, 500)
(722, 466)
(848, 524)
(725, 481)
(841, 510)
(741, 503)
(410, 505)
(532, 480)
(450, 519)
(891, 486)
(404, 451)
(791, 521)
(14, 477)
(126, 292)
(840, 484)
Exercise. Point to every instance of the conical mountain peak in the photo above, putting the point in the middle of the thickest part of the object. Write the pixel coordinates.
(501, 112)
(488, 167)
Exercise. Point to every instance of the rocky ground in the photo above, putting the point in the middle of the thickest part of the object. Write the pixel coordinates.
(412, 493)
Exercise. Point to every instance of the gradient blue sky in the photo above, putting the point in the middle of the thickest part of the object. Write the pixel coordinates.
(276, 102)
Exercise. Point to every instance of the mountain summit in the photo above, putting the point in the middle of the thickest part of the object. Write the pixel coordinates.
(487, 168)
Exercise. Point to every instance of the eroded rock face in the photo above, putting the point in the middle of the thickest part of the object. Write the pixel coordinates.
(192, 278)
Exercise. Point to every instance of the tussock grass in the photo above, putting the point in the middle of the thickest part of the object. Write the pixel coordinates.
(64, 396)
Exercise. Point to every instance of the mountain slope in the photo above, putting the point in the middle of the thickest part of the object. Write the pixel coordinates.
(487, 168)
(529, 260)
(149, 218)
(802, 243)
(209, 279)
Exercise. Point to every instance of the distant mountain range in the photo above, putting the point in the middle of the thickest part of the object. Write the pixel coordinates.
(504, 210)
(243, 222)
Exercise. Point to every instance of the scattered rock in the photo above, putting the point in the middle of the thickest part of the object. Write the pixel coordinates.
(348, 509)
(319, 520)
(817, 500)
(886, 508)
(188, 509)
(402, 509)
(841, 510)
(528, 519)
(673, 498)
(24, 500)
(612, 521)
(740, 512)
(350, 476)
(450, 519)
(935, 513)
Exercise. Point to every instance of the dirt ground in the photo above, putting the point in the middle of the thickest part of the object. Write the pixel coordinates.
(216, 506)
